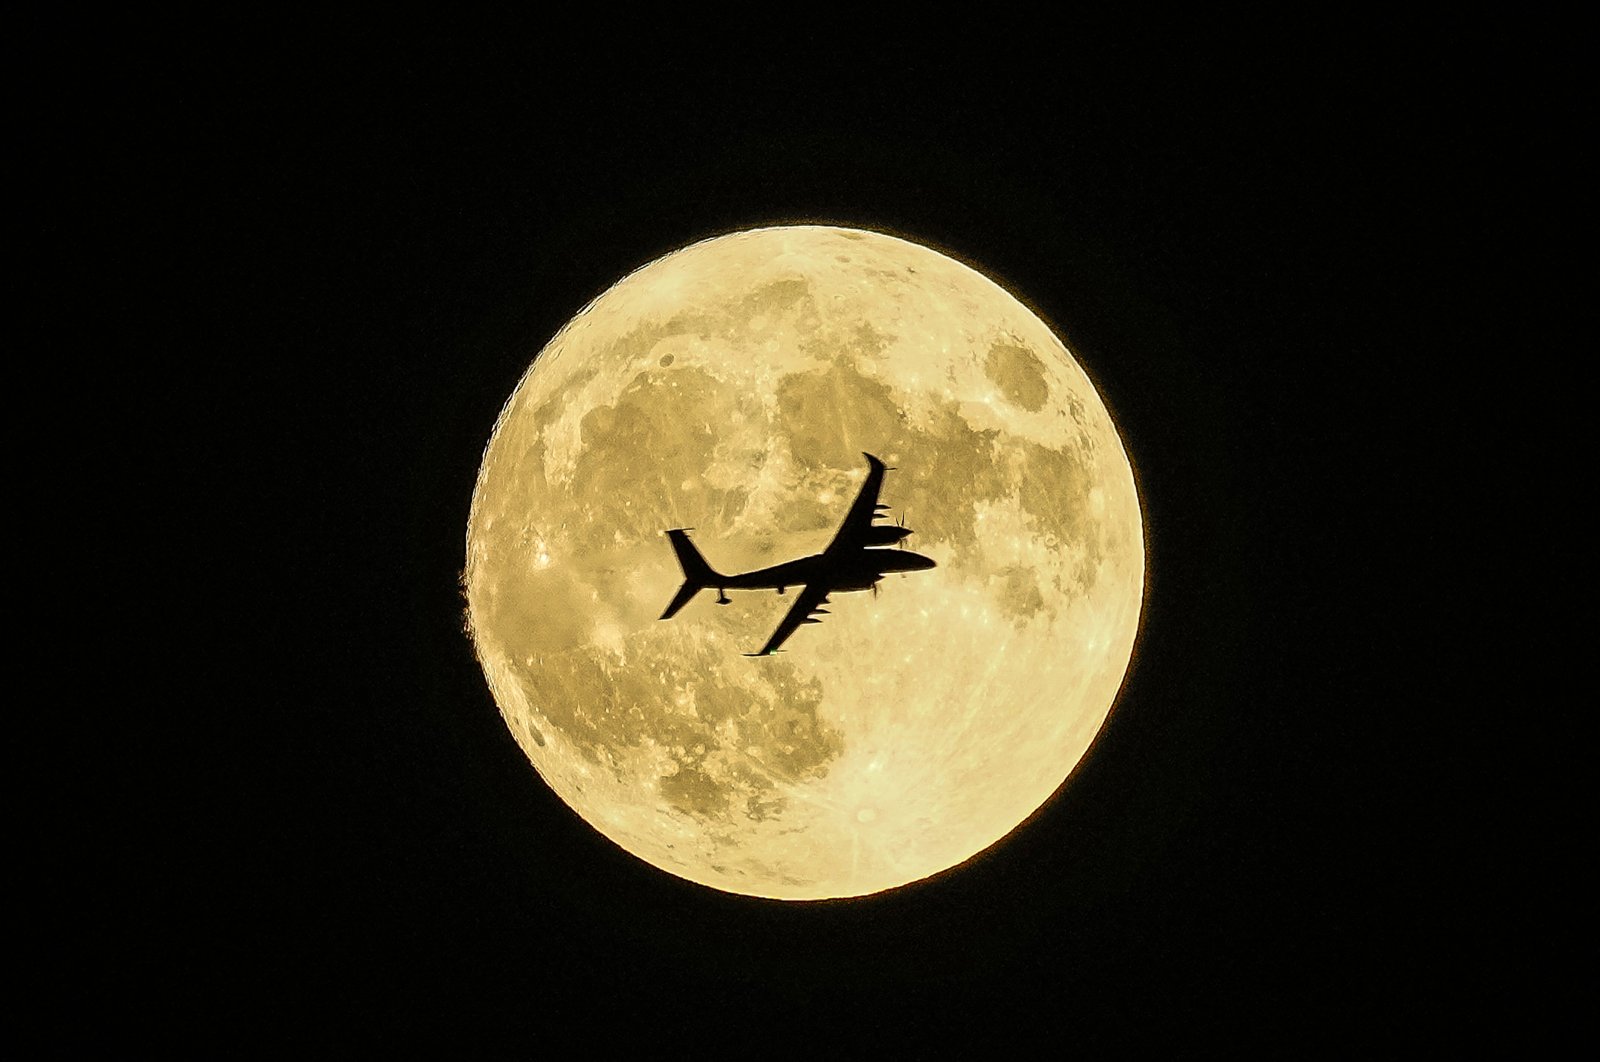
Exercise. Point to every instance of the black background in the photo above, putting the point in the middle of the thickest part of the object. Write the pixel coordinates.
(334, 251)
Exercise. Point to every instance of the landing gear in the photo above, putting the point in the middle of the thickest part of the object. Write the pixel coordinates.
(781, 589)
(722, 598)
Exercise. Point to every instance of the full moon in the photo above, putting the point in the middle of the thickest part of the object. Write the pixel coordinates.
(732, 387)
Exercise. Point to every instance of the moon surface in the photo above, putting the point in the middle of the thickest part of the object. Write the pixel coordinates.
(732, 387)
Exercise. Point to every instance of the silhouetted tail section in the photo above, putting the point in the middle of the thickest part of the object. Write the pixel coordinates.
(697, 574)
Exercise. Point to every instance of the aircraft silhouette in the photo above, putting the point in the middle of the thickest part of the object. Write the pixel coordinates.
(848, 564)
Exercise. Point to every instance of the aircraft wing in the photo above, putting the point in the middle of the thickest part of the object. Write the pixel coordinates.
(806, 608)
(852, 533)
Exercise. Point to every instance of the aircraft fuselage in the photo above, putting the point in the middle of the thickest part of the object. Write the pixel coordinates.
(857, 571)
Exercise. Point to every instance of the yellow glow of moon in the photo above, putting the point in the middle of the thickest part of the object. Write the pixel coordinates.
(732, 387)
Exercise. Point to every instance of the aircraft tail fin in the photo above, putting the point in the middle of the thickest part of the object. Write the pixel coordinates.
(697, 574)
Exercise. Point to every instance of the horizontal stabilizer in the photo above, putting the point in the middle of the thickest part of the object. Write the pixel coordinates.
(697, 574)
(695, 568)
(684, 595)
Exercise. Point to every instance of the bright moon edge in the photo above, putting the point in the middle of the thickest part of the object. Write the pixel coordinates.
(731, 386)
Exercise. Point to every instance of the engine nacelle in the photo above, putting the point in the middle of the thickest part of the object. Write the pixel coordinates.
(885, 535)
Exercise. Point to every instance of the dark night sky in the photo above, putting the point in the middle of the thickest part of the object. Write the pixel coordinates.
(339, 259)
